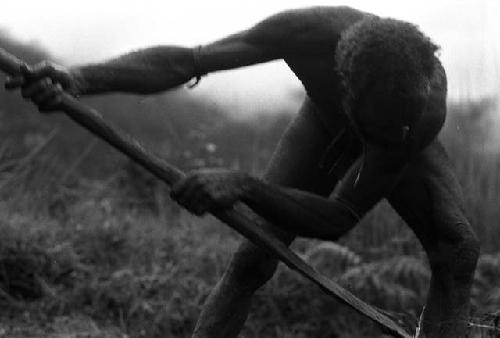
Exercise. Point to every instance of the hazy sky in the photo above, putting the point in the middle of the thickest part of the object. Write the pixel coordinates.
(82, 31)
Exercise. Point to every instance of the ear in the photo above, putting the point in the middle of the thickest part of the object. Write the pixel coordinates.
(405, 131)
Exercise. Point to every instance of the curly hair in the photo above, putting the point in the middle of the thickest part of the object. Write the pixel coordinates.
(392, 56)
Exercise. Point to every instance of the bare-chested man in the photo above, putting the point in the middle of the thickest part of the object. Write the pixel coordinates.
(376, 100)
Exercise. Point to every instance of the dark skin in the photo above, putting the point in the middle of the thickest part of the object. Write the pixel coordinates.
(296, 195)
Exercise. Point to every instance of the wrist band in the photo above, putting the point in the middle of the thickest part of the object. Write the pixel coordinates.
(197, 67)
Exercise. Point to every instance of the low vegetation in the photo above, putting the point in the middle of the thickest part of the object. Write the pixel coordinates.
(104, 257)
(91, 245)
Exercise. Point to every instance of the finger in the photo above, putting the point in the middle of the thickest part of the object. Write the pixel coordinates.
(25, 69)
(43, 98)
(39, 70)
(217, 203)
(197, 209)
(200, 203)
(189, 193)
(14, 82)
(203, 202)
(41, 86)
(195, 204)
(176, 189)
(179, 188)
(52, 105)
(193, 192)
(47, 92)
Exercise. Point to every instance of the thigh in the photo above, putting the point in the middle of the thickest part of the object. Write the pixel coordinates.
(297, 160)
(429, 198)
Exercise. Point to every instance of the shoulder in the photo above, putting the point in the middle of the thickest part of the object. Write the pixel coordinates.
(434, 114)
(304, 26)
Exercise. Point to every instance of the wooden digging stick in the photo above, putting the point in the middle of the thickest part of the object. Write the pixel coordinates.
(240, 218)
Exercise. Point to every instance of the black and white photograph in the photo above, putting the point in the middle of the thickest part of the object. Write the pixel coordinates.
(275, 169)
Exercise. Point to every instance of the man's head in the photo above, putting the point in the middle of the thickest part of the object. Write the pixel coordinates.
(386, 66)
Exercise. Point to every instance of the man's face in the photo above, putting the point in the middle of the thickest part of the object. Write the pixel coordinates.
(385, 119)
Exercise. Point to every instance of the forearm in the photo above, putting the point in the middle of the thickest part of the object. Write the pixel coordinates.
(300, 212)
(144, 71)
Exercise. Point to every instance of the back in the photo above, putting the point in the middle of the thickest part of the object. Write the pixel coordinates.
(314, 65)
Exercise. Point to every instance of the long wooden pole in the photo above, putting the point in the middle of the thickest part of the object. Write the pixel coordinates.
(239, 217)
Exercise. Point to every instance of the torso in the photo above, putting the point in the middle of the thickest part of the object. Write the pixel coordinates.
(316, 69)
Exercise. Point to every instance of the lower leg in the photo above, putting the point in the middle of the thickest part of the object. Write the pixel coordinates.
(294, 164)
(447, 311)
(226, 308)
(224, 312)
(430, 200)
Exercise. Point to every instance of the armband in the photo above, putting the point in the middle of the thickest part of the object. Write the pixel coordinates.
(198, 71)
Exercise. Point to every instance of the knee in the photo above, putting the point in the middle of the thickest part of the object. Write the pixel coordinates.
(455, 256)
(251, 267)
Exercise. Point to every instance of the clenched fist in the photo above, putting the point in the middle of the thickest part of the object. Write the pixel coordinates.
(44, 84)
(210, 189)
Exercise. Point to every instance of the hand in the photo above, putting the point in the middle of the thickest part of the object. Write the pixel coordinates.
(44, 84)
(206, 190)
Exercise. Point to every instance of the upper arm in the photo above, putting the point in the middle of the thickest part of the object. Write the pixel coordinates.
(278, 36)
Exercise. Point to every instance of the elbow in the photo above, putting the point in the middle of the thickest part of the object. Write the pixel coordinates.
(327, 227)
(338, 228)
(337, 223)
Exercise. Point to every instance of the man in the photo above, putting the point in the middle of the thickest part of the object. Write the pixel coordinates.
(376, 100)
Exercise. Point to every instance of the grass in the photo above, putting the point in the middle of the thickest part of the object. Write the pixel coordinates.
(114, 257)
(112, 265)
